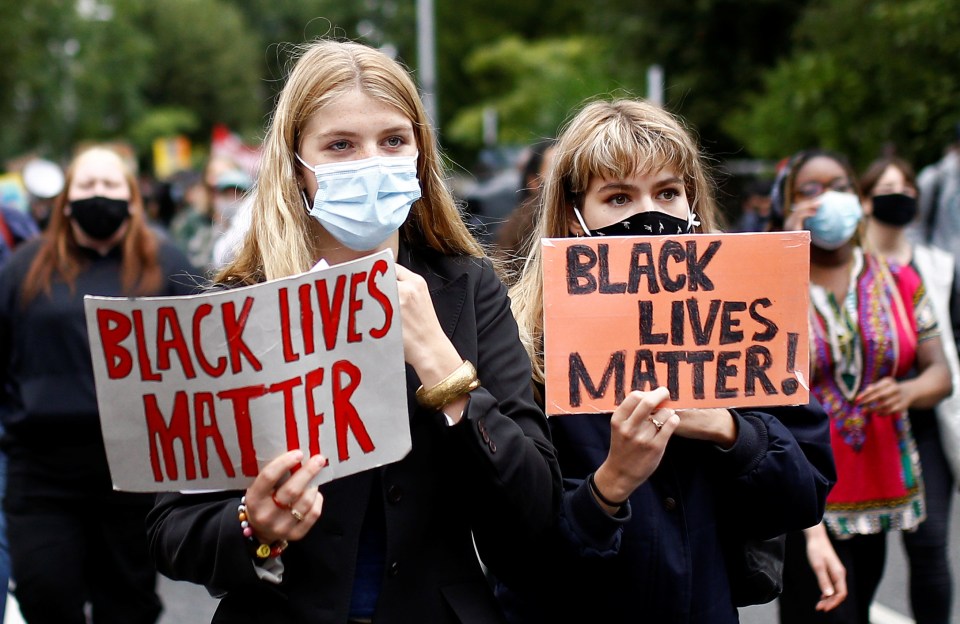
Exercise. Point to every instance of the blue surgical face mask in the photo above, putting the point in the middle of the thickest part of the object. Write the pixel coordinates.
(836, 220)
(362, 202)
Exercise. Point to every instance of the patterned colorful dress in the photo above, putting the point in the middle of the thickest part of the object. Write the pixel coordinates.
(873, 334)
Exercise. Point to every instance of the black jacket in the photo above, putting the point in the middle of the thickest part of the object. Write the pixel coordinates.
(663, 558)
(48, 402)
(494, 473)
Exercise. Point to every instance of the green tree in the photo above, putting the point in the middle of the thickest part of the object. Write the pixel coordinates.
(205, 59)
(863, 75)
(533, 87)
(712, 52)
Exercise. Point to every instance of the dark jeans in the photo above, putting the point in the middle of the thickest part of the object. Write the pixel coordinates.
(66, 553)
(931, 584)
(863, 556)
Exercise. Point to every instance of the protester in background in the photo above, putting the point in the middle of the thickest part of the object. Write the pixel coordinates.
(72, 538)
(939, 184)
(655, 499)
(870, 326)
(196, 227)
(890, 200)
(754, 206)
(43, 180)
(350, 167)
(191, 228)
(513, 235)
(232, 206)
(16, 227)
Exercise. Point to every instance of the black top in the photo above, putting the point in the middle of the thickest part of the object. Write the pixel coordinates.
(663, 557)
(48, 402)
(492, 478)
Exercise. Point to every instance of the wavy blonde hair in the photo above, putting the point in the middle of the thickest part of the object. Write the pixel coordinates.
(613, 139)
(282, 239)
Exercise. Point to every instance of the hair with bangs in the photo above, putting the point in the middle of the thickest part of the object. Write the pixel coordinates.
(876, 169)
(613, 139)
(282, 238)
(60, 256)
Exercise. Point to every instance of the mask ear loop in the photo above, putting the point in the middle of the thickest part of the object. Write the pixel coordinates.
(303, 193)
(583, 225)
(692, 221)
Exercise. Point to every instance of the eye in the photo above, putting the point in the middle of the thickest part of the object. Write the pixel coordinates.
(669, 194)
(339, 146)
(619, 199)
(394, 141)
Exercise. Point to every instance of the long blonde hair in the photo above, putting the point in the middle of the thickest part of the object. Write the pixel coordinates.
(282, 238)
(611, 140)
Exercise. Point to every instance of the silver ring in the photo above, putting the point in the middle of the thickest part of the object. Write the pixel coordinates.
(296, 515)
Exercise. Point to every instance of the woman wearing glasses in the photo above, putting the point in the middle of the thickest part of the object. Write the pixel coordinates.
(875, 352)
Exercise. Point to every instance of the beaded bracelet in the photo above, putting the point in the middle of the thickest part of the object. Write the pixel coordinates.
(260, 550)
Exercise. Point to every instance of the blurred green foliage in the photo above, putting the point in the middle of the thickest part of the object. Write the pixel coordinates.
(755, 78)
(862, 76)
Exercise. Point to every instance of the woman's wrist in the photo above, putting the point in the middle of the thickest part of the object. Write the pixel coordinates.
(435, 364)
(607, 486)
(725, 435)
(816, 532)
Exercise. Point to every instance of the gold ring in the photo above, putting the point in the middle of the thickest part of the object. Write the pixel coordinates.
(296, 515)
(656, 423)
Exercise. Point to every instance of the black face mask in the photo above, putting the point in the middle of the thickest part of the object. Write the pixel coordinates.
(650, 223)
(894, 209)
(100, 217)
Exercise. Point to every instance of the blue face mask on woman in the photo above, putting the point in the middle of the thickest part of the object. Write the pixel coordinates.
(362, 202)
(836, 220)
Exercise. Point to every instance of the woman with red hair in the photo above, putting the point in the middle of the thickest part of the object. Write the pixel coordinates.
(72, 538)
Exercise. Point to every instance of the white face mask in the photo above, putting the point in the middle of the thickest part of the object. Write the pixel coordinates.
(362, 202)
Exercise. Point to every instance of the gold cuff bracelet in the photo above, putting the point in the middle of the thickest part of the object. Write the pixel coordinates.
(453, 386)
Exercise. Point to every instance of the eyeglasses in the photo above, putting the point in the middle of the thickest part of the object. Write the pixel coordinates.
(812, 189)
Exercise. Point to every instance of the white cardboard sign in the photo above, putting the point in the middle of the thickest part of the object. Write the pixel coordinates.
(199, 392)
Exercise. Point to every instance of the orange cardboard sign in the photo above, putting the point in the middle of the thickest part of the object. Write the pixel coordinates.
(719, 319)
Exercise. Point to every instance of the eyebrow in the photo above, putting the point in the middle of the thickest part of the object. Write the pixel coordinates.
(350, 133)
(630, 187)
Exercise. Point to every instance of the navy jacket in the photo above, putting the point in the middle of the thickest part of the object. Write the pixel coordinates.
(662, 558)
(493, 474)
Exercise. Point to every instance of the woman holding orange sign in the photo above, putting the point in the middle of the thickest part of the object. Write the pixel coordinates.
(654, 498)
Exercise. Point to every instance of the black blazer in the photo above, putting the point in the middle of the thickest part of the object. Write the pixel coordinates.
(493, 476)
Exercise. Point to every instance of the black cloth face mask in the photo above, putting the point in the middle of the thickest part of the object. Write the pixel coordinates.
(650, 223)
(100, 217)
(894, 209)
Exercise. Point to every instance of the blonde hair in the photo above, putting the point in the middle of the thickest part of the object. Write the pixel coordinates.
(61, 256)
(611, 140)
(282, 239)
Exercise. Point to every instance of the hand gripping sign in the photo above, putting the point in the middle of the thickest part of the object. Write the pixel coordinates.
(199, 392)
(719, 319)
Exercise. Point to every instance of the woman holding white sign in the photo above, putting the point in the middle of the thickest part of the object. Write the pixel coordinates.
(875, 353)
(656, 500)
(72, 538)
(350, 167)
